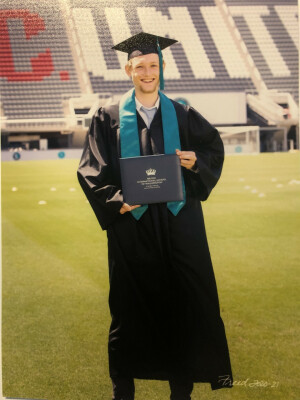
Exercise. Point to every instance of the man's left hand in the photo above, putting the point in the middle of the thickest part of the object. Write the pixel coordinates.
(187, 158)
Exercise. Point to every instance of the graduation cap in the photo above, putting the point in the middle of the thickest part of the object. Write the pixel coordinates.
(145, 43)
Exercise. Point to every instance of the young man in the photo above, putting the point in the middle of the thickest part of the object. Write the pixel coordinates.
(163, 299)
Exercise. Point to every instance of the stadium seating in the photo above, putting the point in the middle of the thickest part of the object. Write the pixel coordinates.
(36, 65)
(270, 32)
(38, 68)
(193, 65)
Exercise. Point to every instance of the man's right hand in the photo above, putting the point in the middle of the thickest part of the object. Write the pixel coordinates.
(126, 207)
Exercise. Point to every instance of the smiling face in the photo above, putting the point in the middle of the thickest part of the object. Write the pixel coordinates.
(144, 72)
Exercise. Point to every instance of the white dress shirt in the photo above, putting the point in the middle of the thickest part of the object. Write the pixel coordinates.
(147, 113)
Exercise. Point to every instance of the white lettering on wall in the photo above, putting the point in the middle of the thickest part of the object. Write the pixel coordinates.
(91, 47)
(288, 16)
(224, 42)
(253, 17)
(180, 26)
(153, 21)
(120, 31)
(88, 38)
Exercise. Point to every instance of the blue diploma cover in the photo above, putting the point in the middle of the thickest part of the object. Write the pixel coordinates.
(151, 179)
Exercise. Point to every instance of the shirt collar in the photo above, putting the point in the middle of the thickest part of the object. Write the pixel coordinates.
(139, 104)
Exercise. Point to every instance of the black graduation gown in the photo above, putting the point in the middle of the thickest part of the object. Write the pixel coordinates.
(163, 297)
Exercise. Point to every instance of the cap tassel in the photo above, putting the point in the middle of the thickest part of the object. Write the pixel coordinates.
(161, 71)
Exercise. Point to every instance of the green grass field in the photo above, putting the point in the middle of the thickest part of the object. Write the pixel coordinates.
(55, 282)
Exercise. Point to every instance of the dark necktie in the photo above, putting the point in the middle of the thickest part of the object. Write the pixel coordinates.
(146, 142)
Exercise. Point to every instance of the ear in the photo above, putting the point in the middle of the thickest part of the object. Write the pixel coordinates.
(164, 65)
(128, 70)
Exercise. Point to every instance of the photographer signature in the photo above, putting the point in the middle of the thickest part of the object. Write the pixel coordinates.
(227, 381)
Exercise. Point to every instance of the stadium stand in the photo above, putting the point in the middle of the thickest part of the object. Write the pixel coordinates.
(57, 64)
(193, 65)
(270, 34)
(36, 65)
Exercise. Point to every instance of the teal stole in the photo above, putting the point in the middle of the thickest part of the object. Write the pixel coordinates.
(130, 143)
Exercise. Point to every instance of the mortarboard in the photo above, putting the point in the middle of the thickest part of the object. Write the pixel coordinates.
(145, 43)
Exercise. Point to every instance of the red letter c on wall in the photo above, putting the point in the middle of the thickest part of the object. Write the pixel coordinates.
(42, 65)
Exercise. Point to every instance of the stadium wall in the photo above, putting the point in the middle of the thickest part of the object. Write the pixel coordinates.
(219, 108)
(40, 154)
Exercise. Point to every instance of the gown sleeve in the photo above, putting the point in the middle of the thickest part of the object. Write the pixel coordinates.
(95, 173)
(206, 142)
